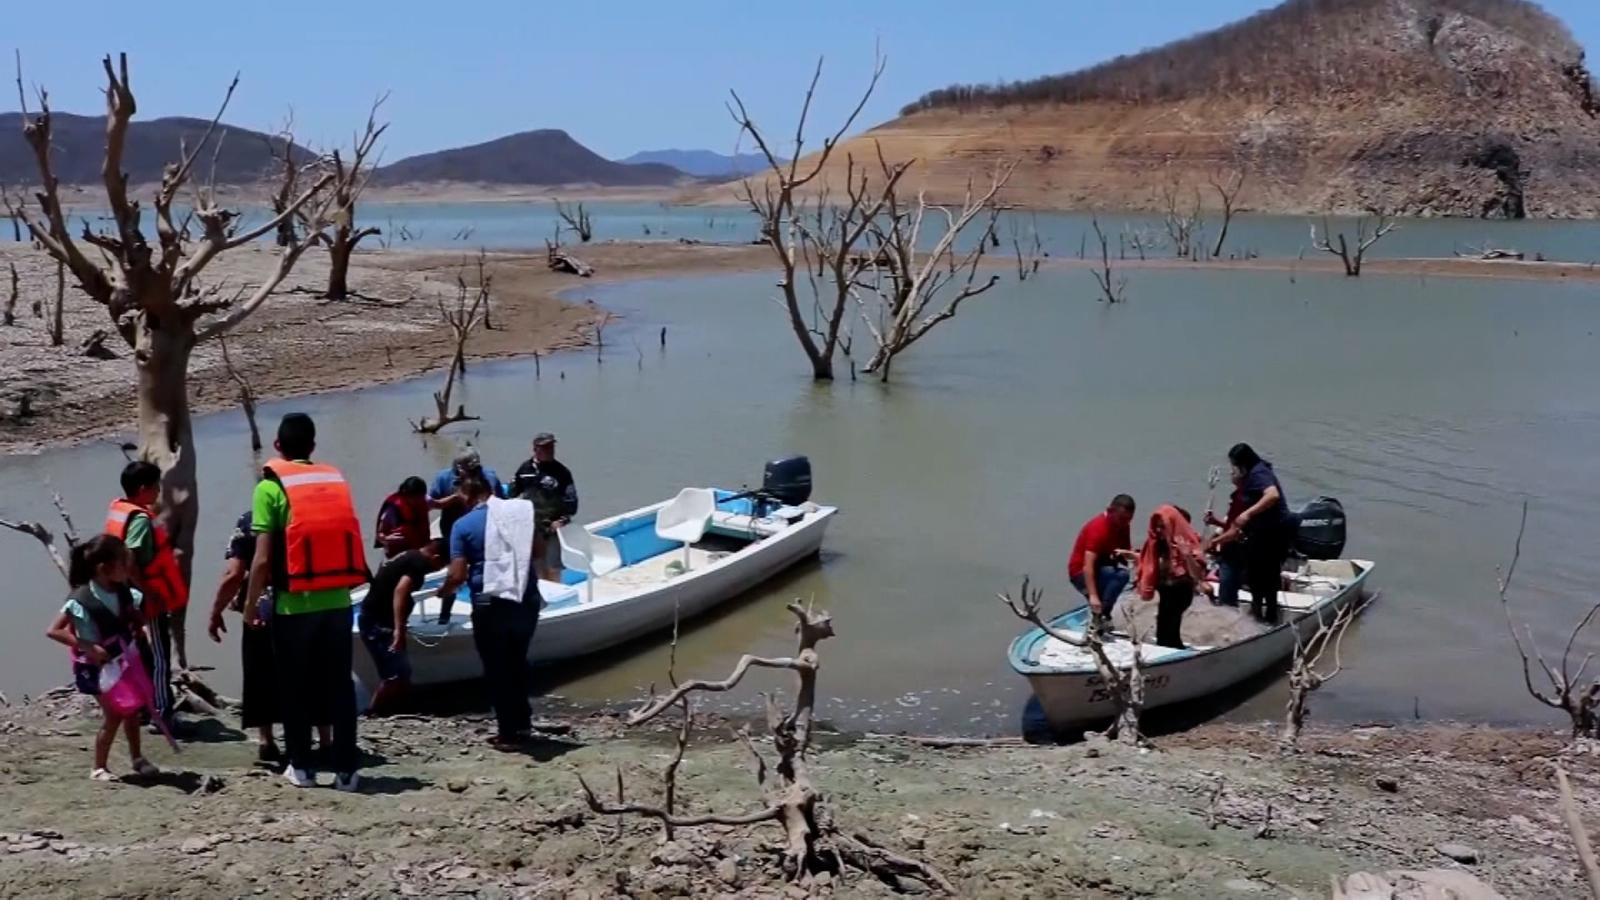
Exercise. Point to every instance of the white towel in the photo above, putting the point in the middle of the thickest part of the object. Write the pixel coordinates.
(507, 548)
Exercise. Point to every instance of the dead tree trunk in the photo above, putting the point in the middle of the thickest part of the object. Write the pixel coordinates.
(152, 292)
(1368, 232)
(1112, 285)
(349, 181)
(777, 209)
(57, 325)
(577, 220)
(814, 842)
(9, 318)
(41, 533)
(1305, 674)
(1227, 189)
(247, 396)
(461, 320)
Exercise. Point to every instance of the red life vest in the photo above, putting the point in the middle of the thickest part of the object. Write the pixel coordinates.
(322, 544)
(411, 512)
(160, 578)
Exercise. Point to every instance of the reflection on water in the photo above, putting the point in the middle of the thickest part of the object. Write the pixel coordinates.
(1432, 409)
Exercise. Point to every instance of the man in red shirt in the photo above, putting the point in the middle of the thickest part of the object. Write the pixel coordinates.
(1095, 567)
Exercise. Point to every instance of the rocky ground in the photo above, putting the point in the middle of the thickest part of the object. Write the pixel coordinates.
(1212, 813)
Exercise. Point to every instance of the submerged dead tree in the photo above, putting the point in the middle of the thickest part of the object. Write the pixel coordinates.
(1184, 216)
(461, 319)
(1307, 674)
(153, 291)
(577, 220)
(247, 395)
(8, 317)
(349, 180)
(1567, 691)
(1369, 231)
(42, 533)
(1125, 687)
(818, 326)
(1112, 284)
(1227, 187)
(814, 842)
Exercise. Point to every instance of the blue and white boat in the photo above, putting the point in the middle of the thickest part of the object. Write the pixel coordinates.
(629, 575)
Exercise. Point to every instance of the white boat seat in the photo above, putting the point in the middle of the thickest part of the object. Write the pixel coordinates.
(589, 553)
(685, 518)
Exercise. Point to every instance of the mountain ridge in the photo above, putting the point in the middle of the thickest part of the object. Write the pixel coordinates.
(702, 163)
(546, 156)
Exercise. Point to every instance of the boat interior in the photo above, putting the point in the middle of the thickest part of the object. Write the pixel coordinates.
(1206, 626)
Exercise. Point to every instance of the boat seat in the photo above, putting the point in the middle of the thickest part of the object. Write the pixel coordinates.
(556, 596)
(589, 553)
(684, 519)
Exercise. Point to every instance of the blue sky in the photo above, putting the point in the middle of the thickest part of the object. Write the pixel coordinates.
(620, 76)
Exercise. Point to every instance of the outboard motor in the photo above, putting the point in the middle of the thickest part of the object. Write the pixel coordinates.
(787, 481)
(1321, 531)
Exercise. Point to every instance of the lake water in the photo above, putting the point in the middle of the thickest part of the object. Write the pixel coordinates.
(1432, 408)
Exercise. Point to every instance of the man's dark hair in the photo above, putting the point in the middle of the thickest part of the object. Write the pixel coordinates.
(297, 436)
(138, 475)
(472, 483)
(1122, 502)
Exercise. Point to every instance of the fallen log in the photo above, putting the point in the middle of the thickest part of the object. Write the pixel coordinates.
(563, 262)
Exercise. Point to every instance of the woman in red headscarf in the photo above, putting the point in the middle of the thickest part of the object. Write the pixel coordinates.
(1171, 565)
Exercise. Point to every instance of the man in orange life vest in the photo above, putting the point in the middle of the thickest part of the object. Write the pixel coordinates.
(309, 548)
(156, 570)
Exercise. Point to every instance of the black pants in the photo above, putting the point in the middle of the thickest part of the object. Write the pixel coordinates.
(1264, 556)
(502, 630)
(312, 654)
(157, 656)
(1173, 602)
(260, 694)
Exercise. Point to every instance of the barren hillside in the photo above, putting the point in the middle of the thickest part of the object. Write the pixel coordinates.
(1423, 107)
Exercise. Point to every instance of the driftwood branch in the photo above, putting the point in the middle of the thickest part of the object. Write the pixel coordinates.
(1306, 672)
(39, 532)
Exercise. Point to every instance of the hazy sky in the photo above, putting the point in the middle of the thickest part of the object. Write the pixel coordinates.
(620, 75)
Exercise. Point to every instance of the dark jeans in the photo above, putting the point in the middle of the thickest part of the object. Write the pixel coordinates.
(260, 694)
(1111, 581)
(502, 630)
(312, 652)
(1264, 556)
(380, 641)
(1173, 602)
(1230, 577)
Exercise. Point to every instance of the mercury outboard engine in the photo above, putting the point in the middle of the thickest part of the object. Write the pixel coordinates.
(1321, 532)
(787, 481)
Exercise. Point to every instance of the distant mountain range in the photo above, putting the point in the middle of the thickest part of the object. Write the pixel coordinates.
(545, 157)
(702, 163)
(79, 143)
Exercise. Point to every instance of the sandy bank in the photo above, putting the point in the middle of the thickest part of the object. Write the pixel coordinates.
(300, 344)
(442, 815)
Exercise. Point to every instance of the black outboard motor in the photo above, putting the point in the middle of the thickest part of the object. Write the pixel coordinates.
(787, 481)
(1321, 532)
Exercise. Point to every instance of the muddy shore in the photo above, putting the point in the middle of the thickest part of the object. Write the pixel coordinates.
(394, 331)
(1211, 813)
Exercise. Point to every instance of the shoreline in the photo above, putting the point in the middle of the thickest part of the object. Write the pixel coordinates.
(1212, 812)
(284, 348)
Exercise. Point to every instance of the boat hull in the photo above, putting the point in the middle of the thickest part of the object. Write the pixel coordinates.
(446, 654)
(1073, 699)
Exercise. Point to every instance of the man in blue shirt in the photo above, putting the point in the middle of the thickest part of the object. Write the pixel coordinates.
(445, 496)
(502, 627)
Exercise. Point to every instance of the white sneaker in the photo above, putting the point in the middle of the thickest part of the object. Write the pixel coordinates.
(348, 783)
(102, 775)
(300, 778)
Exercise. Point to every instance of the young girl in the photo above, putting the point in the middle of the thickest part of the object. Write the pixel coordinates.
(101, 621)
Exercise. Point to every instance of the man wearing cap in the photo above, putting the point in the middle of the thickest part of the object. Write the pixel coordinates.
(442, 493)
(549, 484)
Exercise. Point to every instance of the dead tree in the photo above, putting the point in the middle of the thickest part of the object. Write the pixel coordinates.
(247, 395)
(57, 320)
(560, 260)
(1580, 836)
(153, 293)
(923, 287)
(9, 317)
(1227, 188)
(1027, 264)
(1125, 688)
(577, 220)
(349, 180)
(1112, 285)
(462, 319)
(38, 531)
(815, 843)
(1184, 221)
(1568, 692)
(1306, 673)
(1369, 231)
(778, 210)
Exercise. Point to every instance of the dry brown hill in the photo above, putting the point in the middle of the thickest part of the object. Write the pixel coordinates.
(1424, 107)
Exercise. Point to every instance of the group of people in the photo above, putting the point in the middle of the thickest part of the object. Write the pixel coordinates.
(1248, 548)
(291, 565)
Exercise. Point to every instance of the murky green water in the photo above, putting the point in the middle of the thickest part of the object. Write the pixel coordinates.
(1431, 408)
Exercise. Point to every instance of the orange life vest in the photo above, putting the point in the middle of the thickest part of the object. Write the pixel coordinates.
(160, 578)
(322, 545)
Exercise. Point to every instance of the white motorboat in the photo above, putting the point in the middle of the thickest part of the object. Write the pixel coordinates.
(1072, 694)
(629, 575)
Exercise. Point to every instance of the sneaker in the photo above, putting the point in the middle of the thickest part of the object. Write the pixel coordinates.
(268, 753)
(348, 783)
(145, 768)
(102, 775)
(300, 778)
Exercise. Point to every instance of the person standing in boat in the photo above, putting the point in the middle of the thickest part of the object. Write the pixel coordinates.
(403, 519)
(544, 480)
(1263, 526)
(1103, 545)
(1172, 566)
(503, 621)
(445, 495)
(1230, 556)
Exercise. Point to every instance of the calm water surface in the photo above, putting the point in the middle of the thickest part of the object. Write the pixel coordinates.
(1431, 408)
